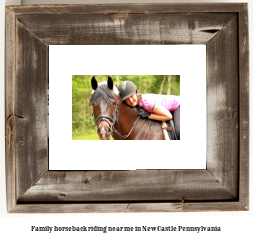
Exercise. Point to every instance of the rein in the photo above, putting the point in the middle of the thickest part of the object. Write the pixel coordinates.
(123, 137)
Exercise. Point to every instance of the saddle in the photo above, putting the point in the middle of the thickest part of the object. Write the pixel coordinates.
(169, 130)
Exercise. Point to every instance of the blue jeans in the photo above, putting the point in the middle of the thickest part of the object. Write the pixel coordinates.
(176, 117)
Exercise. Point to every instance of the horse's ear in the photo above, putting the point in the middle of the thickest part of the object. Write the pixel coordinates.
(110, 82)
(94, 83)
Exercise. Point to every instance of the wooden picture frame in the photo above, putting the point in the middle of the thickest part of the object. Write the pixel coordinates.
(222, 186)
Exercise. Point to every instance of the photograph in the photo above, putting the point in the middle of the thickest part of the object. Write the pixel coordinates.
(126, 107)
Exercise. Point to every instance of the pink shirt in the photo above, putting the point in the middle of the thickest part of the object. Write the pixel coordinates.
(170, 102)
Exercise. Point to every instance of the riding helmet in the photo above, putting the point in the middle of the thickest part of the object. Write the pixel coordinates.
(127, 89)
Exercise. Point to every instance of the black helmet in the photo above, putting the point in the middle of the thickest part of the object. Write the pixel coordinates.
(127, 89)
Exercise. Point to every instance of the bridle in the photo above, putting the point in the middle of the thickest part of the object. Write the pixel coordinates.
(106, 118)
(111, 122)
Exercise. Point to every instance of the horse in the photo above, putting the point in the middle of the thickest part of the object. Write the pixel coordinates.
(117, 119)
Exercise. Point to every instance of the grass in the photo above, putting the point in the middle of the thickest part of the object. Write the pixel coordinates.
(93, 136)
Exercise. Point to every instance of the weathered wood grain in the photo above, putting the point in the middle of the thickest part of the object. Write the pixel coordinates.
(186, 207)
(154, 8)
(118, 29)
(222, 107)
(244, 106)
(129, 207)
(30, 108)
(139, 185)
(70, 208)
(10, 64)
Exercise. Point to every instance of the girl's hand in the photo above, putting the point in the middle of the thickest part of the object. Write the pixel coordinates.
(142, 113)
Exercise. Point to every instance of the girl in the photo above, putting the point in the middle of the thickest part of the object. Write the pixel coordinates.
(158, 107)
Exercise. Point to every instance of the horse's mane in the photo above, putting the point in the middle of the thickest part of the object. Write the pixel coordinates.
(103, 91)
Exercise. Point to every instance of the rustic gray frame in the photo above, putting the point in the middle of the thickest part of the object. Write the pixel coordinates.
(223, 186)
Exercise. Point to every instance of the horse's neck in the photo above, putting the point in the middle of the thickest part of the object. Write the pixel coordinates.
(127, 113)
(127, 117)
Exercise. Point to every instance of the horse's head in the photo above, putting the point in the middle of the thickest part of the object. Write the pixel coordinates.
(104, 102)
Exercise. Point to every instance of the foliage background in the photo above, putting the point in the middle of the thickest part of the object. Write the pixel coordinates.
(82, 121)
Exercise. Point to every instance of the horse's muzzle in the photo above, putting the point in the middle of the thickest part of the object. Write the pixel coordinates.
(104, 132)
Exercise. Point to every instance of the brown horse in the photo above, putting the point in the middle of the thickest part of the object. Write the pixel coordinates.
(116, 118)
